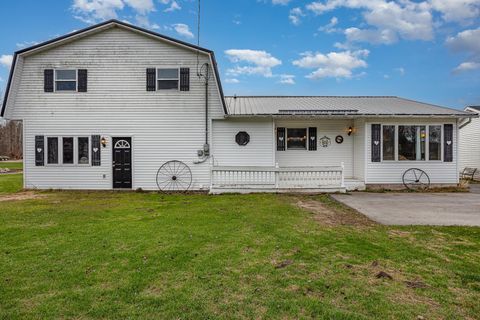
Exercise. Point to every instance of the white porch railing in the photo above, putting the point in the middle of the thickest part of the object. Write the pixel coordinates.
(272, 178)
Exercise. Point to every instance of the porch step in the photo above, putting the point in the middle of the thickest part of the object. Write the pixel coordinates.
(354, 184)
(279, 190)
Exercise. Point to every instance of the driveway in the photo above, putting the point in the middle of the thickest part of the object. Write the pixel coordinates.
(440, 209)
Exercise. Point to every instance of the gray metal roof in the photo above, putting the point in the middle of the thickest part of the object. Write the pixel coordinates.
(351, 106)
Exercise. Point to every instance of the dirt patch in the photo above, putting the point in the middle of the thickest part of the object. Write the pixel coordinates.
(28, 195)
(333, 216)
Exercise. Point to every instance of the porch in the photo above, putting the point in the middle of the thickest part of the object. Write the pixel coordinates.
(248, 179)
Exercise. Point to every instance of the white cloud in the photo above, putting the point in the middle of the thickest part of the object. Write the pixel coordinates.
(467, 42)
(232, 80)
(6, 60)
(461, 11)
(295, 16)
(141, 6)
(258, 62)
(389, 19)
(374, 36)
(144, 22)
(287, 79)
(467, 66)
(183, 30)
(330, 27)
(93, 11)
(173, 5)
(26, 44)
(281, 2)
(400, 71)
(334, 64)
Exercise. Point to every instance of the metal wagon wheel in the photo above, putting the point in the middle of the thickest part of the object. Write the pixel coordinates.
(174, 176)
(416, 179)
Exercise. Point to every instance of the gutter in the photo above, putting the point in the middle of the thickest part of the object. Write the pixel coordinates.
(352, 116)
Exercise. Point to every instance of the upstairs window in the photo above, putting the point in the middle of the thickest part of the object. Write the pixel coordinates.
(65, 80)
(168, 79)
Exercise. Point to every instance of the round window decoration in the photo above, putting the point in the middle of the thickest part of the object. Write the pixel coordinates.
(339, 139)
(242, 138)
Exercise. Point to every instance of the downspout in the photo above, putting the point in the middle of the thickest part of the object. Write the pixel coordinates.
(206, 147)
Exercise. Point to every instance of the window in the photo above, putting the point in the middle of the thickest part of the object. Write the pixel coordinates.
(67, 149)
(167, 79)
(388, 142)
(411, 143)
(297, 139)
(83, 150)
(65, 80)
(52, 150)
(435, 142)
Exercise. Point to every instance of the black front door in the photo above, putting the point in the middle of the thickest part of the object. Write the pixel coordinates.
(122, 163)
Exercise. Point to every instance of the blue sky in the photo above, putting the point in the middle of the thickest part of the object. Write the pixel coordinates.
(427, 50)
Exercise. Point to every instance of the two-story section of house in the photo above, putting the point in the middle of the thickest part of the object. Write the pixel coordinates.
(107, 106)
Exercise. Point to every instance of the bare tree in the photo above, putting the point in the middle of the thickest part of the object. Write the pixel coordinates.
(11, 136)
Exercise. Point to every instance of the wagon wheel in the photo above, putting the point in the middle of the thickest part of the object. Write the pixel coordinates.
(174, 176)
(416, 179)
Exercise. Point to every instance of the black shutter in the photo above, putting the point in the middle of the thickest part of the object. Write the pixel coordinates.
(312, 138)
(184, 79)
(39, 151)
(151, 79)
(376, 142)
(281, 139)
(448, 143)
(96, 151)
(82, 80)
(48, 80)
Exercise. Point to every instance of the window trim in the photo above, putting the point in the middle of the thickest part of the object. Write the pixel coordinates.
(60, 151)
(157, 79)
(55, 80)
(427, 142)
(296, 149)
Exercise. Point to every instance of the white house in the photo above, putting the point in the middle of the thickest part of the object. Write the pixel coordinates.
(469, 141)
(116, 106)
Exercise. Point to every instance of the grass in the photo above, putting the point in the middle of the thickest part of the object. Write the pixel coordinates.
(10, 183)
(89, 255)
(12, 165)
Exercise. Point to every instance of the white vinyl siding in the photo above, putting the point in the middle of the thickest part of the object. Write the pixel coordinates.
(258, 152)
(469, 137)
(163, 126)
(332, 155)
(390, 172)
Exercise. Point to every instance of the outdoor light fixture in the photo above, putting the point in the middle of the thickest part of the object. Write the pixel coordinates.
(103, 141)
(350, 131)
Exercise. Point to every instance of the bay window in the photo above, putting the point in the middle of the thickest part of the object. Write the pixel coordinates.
(411, 142)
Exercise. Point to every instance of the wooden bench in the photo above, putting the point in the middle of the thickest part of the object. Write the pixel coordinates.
(469, 173)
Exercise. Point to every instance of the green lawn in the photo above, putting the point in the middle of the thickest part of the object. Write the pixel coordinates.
(10, 183)
(12, 165)
(132, 255)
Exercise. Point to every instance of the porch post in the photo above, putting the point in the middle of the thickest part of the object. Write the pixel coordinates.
(343, 174)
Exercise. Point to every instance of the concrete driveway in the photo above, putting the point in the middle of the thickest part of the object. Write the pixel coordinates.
(440, 209)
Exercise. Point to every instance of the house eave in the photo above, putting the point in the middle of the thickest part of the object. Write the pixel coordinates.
(350, 116)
